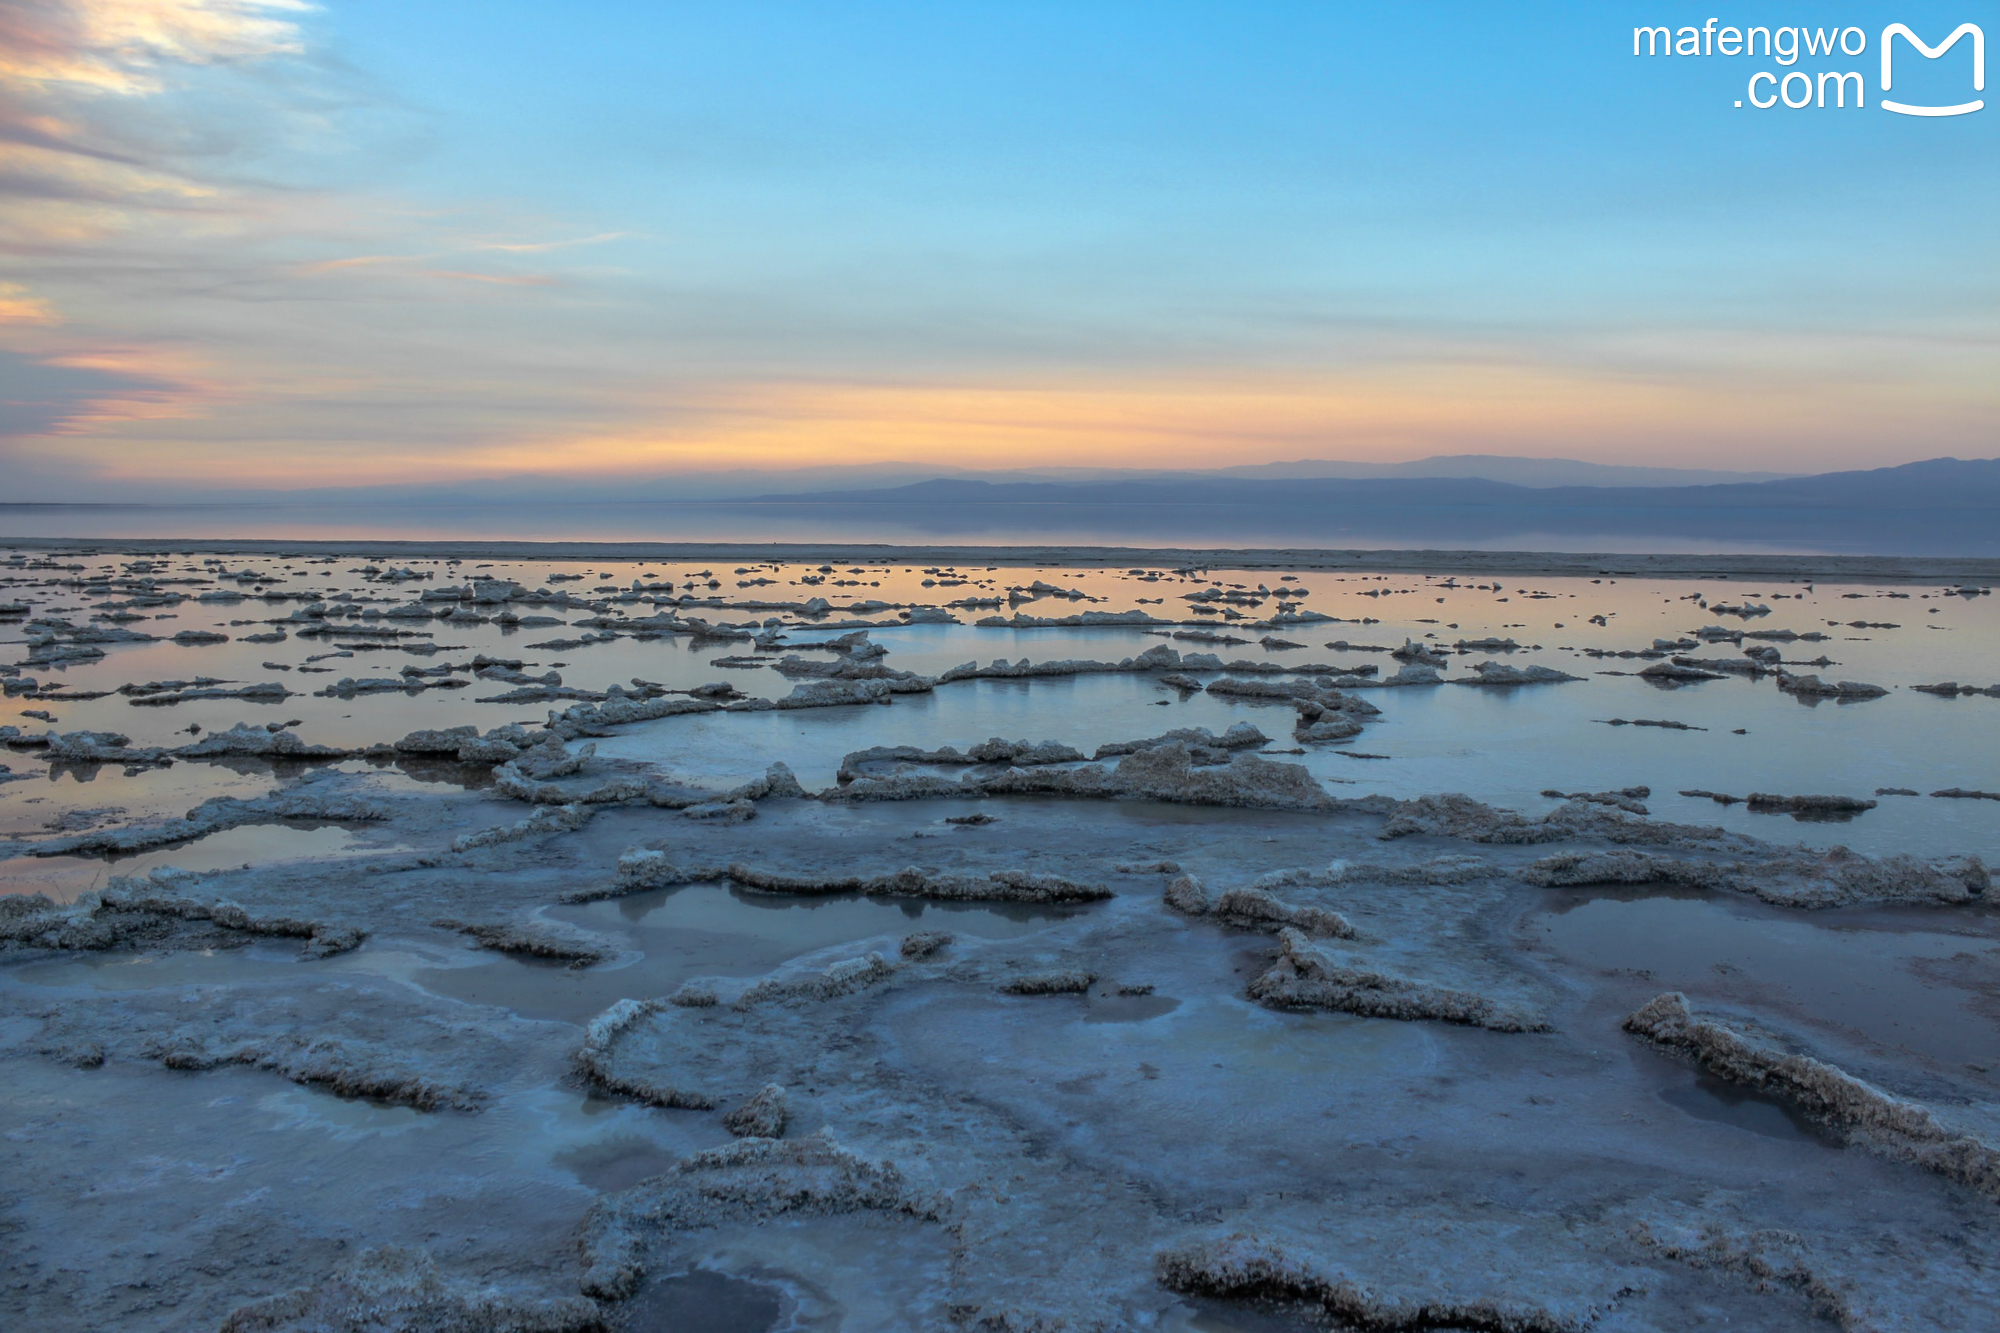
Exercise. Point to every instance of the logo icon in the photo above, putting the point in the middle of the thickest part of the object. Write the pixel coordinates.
(1895, 30)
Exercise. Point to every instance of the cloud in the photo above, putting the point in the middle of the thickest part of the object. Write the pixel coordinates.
(401, 265)
(529, 247)
(53, 397)
(122, 47)
(16, 307)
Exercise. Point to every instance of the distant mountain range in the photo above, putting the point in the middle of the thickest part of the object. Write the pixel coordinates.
(1943, 506)
(1536, 472)
(745, 483)
(1936, 484)
(742, 483)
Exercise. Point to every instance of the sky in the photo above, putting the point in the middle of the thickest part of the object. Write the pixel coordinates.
(274, 244)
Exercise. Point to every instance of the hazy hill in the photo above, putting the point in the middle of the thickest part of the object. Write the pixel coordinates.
(1939, 483)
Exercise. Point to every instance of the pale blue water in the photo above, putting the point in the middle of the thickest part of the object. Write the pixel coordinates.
(1500, 745)
(1525, 526)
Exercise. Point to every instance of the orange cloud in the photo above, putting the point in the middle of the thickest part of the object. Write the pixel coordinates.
(17, 308)
(118, 46)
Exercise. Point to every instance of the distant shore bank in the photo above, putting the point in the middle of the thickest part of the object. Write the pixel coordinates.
(1520, 564)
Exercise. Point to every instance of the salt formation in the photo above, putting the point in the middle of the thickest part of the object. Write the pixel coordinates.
(581, 947)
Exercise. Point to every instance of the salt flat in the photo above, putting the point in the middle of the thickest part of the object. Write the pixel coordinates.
(476, 937)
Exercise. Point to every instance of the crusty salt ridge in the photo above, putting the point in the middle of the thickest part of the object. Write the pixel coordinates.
(1891, 1125)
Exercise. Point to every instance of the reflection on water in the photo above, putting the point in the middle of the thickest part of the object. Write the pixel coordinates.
(1707, 1096)
(616, 1163)
(704, 1302)
(1203, 1315)
(1321, 523)
(1854, 974)
(1500, 745)
(65, 877)
(705, 930)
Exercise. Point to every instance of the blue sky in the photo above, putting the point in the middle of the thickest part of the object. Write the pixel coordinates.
(279, 245)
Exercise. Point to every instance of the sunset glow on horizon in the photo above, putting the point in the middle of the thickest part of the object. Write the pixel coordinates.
(261, 243)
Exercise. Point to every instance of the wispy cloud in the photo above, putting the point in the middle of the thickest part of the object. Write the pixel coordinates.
(16, 307)
(85, 391)
(123, 47)
(496, 279)
(79, 158)
(418, 266)
(532, 247)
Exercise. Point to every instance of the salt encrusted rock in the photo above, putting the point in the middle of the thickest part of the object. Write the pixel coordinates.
(344, 1067)
(1305, 977)
(103, 747)
(1410, 673)
(993, 886)
(1808, 805)
(1163, 772)
(1500, 673)
(1814, 687)
(535, 776)
(1160, 657)
(1185, 894)
(212, 816)
(157, 913)
(1456, 815)
(534, 939)
(1629, 799)
(1060, 982)
(592, 718)
(1837, 878)
(269, 691)
(754, 1177)
(994, 751)
(593, 1060)
(431, 741)
(1083, 620)
(1240, 736)
(924, 943)
(247, 739)
(824, 694)
(1676, 671)
(1890, 1125)
(762, 1116)
(1246, 1266)
(1328, 727)
(1253, 908)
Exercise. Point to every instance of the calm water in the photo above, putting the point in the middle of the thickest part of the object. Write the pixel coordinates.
(1515, 527)
(1502, 745)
